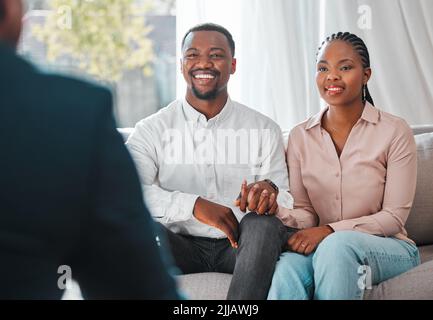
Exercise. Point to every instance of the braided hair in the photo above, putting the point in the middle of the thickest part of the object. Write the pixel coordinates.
(360, 47)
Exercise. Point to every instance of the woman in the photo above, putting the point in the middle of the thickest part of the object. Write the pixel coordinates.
(353, 175)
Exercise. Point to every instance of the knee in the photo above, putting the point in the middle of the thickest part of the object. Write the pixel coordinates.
(337, 248)
(261, 224)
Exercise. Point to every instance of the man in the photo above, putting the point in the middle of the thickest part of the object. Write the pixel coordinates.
(70, 198)
(192, 158)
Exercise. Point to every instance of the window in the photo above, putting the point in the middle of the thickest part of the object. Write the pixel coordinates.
(136, 94)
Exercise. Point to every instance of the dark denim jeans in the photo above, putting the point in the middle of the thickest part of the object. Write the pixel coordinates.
(261, 241)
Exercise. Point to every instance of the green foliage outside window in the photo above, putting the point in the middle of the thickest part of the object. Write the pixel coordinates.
(104, 37)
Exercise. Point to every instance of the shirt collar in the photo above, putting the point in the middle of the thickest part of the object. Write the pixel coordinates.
(192, 114)
(316, 119)
(370, 114)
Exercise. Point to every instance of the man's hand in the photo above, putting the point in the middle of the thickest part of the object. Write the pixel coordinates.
(219, 217)
(307, 240)
(259, 196)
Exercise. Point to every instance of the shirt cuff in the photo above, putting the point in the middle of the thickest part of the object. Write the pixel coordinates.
(342, 225)
(186, 205)
(285, 199)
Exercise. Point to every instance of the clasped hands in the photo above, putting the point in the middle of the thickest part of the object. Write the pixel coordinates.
(259, 197)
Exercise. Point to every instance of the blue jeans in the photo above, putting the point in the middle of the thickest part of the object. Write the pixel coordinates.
(344, 265)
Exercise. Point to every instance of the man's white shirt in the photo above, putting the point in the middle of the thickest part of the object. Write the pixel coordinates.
(180, 156)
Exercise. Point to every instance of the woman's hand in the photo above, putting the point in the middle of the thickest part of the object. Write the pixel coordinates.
(259, 197)
(307, 240)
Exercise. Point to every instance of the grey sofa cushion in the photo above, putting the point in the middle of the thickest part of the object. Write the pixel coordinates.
(426, 253)
(420, 222)
(204, 286)
(420, 129)
(416, 284)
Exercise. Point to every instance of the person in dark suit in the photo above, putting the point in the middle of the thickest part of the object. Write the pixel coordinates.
(69, 192)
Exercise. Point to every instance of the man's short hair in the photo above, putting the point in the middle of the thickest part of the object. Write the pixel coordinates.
(212, 27)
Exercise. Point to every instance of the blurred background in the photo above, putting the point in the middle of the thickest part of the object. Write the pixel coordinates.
(133, 47)
(90, 39)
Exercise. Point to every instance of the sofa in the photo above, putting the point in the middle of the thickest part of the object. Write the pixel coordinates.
(414, 284)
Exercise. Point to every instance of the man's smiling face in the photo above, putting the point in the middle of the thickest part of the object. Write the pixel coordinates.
(207, 64)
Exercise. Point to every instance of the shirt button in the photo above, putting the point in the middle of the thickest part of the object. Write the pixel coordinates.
(337, 197)
(337, 174)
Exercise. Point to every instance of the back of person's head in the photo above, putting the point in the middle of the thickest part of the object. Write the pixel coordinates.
(11, 12)
(1, 10)
(212, 27)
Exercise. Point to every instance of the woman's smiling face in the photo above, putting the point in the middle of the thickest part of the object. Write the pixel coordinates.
(340, 74)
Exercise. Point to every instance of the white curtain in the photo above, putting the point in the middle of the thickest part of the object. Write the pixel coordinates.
(277, 42)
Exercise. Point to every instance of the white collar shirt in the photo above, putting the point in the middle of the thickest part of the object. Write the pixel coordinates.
(180, 156)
